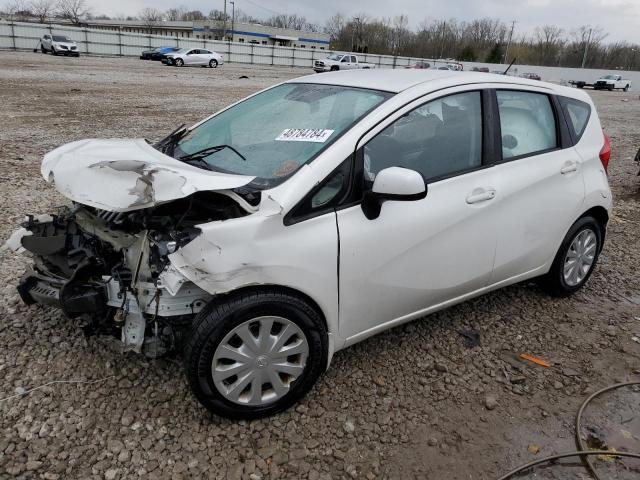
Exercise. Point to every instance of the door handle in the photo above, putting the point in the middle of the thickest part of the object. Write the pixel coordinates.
(569, 167)
(481, 195)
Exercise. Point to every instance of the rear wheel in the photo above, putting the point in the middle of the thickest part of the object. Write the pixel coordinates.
(178, 62)
(576, 258)
(255, 354)
(213, 63)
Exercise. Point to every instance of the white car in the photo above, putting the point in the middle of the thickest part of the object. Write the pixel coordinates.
(59, 45)
(341, 61)
(193, 57)
(317, 213)
(612, 82)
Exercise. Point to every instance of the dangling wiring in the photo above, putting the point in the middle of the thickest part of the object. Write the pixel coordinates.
(582, 452)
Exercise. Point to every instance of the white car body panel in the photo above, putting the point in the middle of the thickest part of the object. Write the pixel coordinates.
(364, 275)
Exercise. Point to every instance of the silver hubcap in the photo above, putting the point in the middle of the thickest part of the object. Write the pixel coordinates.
(257, 361)
(580, 257)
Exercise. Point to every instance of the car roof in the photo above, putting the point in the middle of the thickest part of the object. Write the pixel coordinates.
(398, 80)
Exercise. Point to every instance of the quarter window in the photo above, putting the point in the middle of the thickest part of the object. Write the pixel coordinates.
(438, 139)
(527, 123)
(577, 113)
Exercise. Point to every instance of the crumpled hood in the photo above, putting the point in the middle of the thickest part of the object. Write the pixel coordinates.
(122, 175)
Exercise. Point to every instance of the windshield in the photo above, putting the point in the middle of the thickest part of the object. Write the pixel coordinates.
(279, 130)
(61, 38)
(335, 56)
(610, 77)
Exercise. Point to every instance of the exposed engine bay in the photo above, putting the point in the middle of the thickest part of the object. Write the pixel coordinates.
(112, 268)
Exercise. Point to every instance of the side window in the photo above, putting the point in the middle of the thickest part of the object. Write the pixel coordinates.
(353, 59)
(527, 123)
(577, 114)
(205, 52)
(325, 197)
(438, 139)
(344, 59)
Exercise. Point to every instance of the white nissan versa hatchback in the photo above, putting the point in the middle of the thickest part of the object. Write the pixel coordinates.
(315, 214)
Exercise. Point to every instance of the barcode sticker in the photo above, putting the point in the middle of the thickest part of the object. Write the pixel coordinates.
(318, 135)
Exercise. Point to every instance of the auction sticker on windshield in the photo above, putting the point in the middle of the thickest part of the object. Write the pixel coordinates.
(318, 135)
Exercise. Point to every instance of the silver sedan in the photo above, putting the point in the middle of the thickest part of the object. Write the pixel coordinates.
(193, 57)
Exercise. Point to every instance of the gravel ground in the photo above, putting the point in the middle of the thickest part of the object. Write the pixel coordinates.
(413, 402)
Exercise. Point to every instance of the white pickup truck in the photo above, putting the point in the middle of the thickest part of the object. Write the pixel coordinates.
(612, 82)
(340, 61)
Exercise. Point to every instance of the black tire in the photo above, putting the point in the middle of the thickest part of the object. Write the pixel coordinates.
(626, 88)
(335, 68)
(178, 62)
(213, 323)
(554, 282)
(42, 49)
(213, 63)
(53, 51)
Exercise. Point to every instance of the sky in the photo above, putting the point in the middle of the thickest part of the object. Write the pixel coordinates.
(620, 18)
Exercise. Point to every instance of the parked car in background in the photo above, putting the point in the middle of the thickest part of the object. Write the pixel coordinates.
(193, 57)
(480, 69)
(531, 76)
(157, 53)
(454, 67)
(420, 65)
(341, 61)
(59, 45)
(315, 214)
(612, 82)
(497, 72)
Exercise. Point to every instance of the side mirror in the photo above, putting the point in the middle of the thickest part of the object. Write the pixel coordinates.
(393, 183)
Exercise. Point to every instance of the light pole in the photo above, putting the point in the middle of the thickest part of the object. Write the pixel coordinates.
(233, 18)
(357, 20)
(586, 48)
(506, 50)
(224, 21)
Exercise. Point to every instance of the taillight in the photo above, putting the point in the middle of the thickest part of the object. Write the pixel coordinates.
(605, 153)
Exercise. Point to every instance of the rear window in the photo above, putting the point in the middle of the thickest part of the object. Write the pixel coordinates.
(527, 123)
(577, 114)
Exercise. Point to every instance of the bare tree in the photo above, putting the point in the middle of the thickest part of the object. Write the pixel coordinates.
(18, 9)
(42, 9)
(150, 17)
(73, 10)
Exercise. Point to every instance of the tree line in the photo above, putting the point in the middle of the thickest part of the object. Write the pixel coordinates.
(485, 40)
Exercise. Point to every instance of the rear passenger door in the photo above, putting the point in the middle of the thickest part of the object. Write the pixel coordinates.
(539, 183)
(423, 253)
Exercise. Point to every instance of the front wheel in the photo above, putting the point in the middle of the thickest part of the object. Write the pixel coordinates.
(255, 354)
(213, 63)
(53, 51)
(178, 62)
(626, 88)
(576, 258)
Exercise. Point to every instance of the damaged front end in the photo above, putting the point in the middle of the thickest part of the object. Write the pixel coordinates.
(113, 268)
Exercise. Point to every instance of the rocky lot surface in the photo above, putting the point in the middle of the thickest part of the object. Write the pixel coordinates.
(414, 402)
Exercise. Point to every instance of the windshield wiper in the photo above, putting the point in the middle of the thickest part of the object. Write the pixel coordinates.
(205, 152)
(201, 163)
(171, 139)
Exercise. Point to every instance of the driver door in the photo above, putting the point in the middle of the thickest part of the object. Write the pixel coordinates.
(417, 256)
